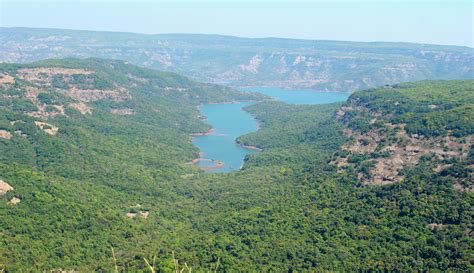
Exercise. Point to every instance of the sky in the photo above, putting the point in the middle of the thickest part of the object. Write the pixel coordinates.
(433, 22)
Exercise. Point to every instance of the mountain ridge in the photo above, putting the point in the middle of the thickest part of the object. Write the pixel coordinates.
(236, 37)
(244, 62)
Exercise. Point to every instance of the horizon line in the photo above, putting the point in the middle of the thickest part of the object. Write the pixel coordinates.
(236, 36)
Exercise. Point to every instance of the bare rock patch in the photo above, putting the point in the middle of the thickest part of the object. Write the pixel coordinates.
(6, 79)
(47, 128)
(5, 187)
(14, 201)
(81, 107)
(5, 134)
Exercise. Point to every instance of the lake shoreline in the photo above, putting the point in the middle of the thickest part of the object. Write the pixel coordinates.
(229, 121)
(250, 147)
(218, 164)
(211, 131)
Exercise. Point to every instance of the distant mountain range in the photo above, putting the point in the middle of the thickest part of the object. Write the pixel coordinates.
(243, 62)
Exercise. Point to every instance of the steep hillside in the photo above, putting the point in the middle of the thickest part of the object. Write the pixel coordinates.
(318, 217)
(74, 99)
(93, 157)
(82, 142)
(396, 127)
(320, 65)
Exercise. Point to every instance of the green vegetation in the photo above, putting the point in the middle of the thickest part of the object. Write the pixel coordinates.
(427, 108)
(287, 210)
(298, 135)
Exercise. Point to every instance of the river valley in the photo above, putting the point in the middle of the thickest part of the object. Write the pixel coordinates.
(219, 152)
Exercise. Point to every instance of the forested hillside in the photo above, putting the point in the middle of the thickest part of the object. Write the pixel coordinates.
(400, 126)
(96, 153)
(82, 143)
(287, 63)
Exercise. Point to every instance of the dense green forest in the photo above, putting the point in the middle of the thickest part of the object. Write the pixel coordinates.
(427, 108)
(289, 209)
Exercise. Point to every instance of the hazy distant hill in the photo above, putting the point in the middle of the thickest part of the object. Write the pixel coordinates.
(289, 63)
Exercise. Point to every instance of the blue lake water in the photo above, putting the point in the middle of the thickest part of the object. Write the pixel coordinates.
(230, 121)
(300, 96)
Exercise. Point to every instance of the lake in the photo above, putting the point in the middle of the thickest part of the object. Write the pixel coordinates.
(296, 96)
(229, 121)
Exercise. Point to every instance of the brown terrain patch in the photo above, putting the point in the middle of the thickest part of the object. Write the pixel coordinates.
(59, 109)
(5, 187)
(52, 130)
(14, 201)
(404, 150)
(5, 134)
(41, 80)
(87, 95)
(45, 74)
(81, 107)
(458, 186)
(143, 214)
(32, 94)
(6, 79)
(131, 215)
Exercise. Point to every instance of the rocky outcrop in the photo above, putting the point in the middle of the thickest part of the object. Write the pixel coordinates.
(395, 128)
(54, 89)
(388, 150)
(47, 128)
(286, 63)
(4, 187)
(5, 134)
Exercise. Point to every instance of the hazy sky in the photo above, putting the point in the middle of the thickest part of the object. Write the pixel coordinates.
(436, 22)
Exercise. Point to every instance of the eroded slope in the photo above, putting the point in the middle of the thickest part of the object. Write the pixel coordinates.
(396, 127)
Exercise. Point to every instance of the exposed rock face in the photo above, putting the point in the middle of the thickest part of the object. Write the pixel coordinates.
(142, 214)
(44, 75)
(14, 201)
(5, 134)
(287, 63)
(48, 89)
(5, 187)
(390, 149)
(87, 95)
(47, 128)
(131, 215)
(394, 128)
(253, 64)
(6, 79)
(81, 107)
